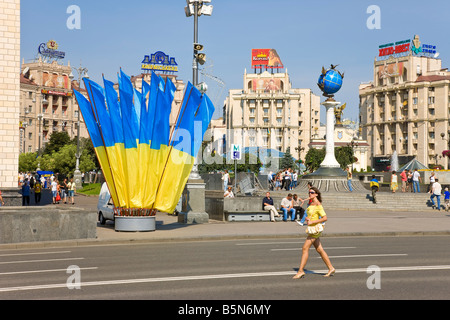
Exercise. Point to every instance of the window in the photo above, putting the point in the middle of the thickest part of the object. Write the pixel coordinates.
(430, 100)
(30, 136)
(415, 101)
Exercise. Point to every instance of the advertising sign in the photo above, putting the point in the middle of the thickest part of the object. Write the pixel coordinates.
(159, 61)
(406, 48)
(266, 85)
(267, 58)
(48, 50)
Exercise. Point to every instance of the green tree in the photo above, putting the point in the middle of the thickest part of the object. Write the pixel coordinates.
(64, 161)
(56, 142)
(344, 155)
(314, 158)
(28, 162)
(287, 161)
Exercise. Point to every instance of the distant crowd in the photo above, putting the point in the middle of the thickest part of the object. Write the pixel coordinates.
(283, 179)
(35, 184)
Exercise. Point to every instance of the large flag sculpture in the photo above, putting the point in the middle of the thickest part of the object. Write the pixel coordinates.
(146, 164)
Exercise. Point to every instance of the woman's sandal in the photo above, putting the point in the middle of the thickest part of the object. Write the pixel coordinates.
(330, 273)
(299, 275)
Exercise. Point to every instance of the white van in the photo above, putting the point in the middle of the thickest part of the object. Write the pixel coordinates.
(105, 206)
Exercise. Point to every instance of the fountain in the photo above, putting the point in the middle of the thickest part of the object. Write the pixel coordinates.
(394, 162)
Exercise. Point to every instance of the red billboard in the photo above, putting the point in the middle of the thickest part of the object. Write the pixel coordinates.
(266, 58)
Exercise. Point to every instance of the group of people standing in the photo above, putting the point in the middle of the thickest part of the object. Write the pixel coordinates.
(410, 181)
(60, 192)
(284, 179)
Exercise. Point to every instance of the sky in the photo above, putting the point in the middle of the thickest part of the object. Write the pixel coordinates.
(307, 35)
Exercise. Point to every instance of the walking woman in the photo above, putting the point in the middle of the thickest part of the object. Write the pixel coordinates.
(316, 216)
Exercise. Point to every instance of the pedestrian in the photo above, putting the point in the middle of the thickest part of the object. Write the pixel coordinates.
(288, 207)
(416, 179)
(409, 184)
(287, 179)
(64, 191)
(404, 178)
(436, 190)
(267, 205)
(298, 206)
(26, 192)
(374, 186)
(270, 181)
(225, 178)
(295, 179)
(228, 193)
(37, 191)
(432, 180)
(316, 216)
(72, 188)
(349, 179)
(278, 181)
(2, 203)
(54, 188)
(394, 181)
(446, 198)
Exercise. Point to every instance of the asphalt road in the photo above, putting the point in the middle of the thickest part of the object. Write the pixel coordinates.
(410, 268)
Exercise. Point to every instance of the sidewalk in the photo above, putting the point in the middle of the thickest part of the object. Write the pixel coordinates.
(340, 223)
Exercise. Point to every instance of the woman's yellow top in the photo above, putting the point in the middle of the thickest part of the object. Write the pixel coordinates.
(315, 212)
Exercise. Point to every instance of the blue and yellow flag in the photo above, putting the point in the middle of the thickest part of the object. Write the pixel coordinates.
(146, 166)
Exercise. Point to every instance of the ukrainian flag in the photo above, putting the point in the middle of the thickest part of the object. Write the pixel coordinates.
(194, 119)
(144, 165)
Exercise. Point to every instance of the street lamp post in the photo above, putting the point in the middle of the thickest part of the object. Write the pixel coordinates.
(197, 8)
(193, 210)
(82, 73)
(40, 117)
(448, 145)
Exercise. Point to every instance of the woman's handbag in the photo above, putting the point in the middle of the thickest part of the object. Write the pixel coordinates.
(58, 197)
(314, 230)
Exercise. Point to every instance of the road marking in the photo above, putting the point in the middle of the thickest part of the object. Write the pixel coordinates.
(46, 260)
(43, 271)
(210, 277)
(369, 255)
(32, 253)
(330, 248)
(265, 243)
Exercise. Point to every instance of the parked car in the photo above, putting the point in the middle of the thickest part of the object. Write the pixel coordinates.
(105, 206)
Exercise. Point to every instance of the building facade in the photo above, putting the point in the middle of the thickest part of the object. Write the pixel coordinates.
(47, 103)
(269, 113)
(9, 94)
(406, 108)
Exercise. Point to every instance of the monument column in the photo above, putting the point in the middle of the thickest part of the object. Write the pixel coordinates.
(330, 158)
(10, 101)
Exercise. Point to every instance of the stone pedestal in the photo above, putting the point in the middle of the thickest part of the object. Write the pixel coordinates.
(194, 203)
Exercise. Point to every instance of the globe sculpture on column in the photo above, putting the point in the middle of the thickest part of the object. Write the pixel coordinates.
(330, 82)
